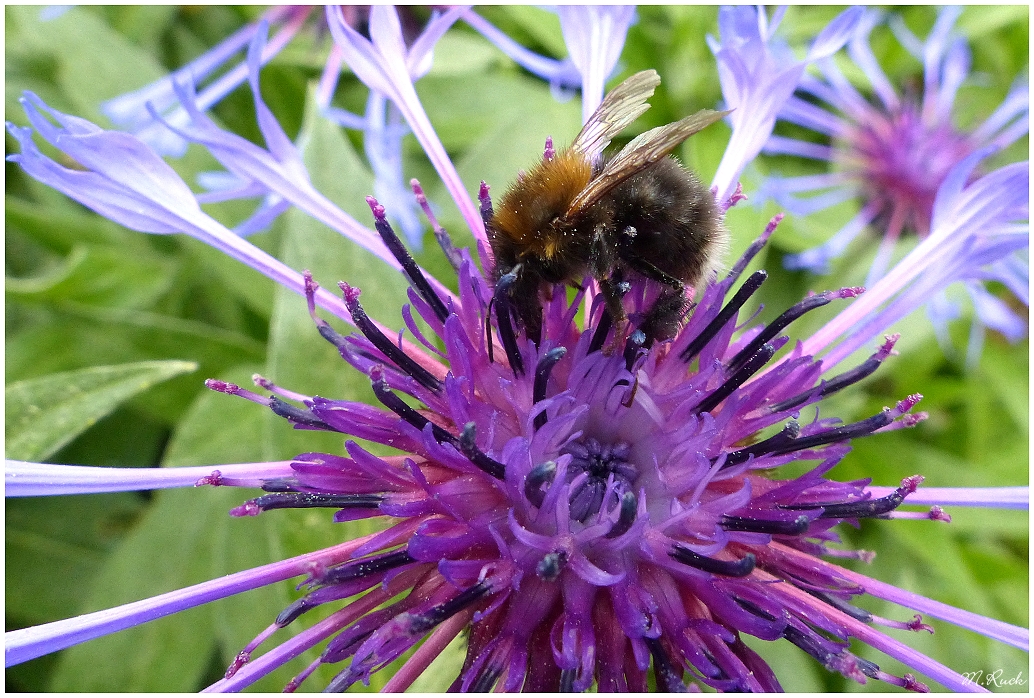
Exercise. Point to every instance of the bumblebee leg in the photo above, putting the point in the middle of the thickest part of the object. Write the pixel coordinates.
(602, 253)
(601, 262)
(648, 269)
(528, 307)
(612, 294)
(662, 320)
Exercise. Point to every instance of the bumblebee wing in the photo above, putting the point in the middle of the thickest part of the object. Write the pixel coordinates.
(644, 150)
(619, 108)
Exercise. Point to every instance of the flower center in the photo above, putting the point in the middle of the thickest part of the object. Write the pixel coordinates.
(900, 160)
(593, 467)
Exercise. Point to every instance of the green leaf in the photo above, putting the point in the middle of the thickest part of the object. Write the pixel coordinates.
(796, 671)
(668, 38)
(142, 24)
(1005, 371)
(62, 227)
(464, 54)
(441, 673)
(50, 564)
(126, 437)
(166, 552)
(955, 567)
(543, 25)
(44, 414)
(220, 274)
(977, 22)
(75, 337)
(222, 429)
(98, 276)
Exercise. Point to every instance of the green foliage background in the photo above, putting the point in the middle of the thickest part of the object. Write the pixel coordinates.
(158, 315)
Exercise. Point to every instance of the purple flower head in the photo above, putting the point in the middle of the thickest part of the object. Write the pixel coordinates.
(595, 508)
(892, 154)
(976, 226)
(586, 506)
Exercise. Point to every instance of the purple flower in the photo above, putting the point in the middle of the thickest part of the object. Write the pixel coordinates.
(387, 66)
(892, 153)
(382, 125)
(758, 75)
(594, 34)
(136, 111)
(157, 112)
(562, 75)
(591, 509)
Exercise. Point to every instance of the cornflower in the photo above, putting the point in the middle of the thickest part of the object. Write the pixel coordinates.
(891, 153)
(595, 508)
(594, 36)
(146, 112)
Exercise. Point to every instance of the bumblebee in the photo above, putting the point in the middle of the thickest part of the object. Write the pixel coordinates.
(577, 213)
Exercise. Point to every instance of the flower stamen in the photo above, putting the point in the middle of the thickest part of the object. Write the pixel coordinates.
(307, 500)
(841, 433)
(841, 381)
(297, 415)
(464, 444)
(549, 567)
(857, 613)
(669, 679)
(409, 266)
(869, 508)
(726, 568)
(440, 234)
(729, 311)
(591, 468)
(477, 456)
(539, 475)
(626, 515)
(504, 321)
(788, 316)
(486, 204)
(788, 434)
(385, 345)
(542, 371)
(748, 369)
(367, 566)
(795, 527)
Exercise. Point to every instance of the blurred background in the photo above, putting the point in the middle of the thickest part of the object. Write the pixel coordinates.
(83, 293)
